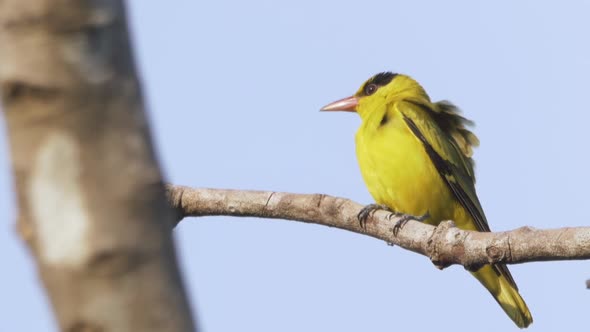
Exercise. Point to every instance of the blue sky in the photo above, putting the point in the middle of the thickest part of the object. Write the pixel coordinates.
(234, 89)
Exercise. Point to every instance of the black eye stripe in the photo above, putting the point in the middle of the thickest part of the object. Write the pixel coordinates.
(382, 79)
(378, 80)
(370, 89)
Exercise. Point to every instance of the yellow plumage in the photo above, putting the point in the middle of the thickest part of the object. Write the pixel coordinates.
(415, 157)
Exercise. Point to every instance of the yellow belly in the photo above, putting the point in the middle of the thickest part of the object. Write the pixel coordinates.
(399, 174)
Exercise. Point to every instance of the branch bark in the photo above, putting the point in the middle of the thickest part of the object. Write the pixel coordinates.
(444, 244)
(92, 206)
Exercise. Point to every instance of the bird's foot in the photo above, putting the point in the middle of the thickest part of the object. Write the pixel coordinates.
(404, 218)
(368, 211)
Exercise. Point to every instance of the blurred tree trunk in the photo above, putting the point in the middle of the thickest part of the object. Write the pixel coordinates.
(91, 198)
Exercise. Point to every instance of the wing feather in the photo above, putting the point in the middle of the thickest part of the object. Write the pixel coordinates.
(456, 172)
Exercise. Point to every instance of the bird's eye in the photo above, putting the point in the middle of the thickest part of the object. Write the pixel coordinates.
(370, 89)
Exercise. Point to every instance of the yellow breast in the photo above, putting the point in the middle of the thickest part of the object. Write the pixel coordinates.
(398, 172)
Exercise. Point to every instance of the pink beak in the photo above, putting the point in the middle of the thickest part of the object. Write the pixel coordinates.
(346, 105)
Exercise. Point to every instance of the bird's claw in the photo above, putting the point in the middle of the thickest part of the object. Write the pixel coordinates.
(368, 211)
(404, 218)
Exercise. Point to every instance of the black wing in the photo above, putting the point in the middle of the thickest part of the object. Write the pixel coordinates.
(462, 187)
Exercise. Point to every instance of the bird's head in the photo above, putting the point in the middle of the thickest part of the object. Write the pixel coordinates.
(378, 91)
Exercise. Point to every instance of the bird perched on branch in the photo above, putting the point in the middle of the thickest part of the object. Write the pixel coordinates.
(415, 158)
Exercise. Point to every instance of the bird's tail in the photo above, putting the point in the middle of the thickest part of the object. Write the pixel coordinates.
(505, 293)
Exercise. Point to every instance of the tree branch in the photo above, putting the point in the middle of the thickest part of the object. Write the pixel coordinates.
(444, 245)
(91, 198)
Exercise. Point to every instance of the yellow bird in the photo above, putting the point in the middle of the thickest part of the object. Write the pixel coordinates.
(415, 158)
